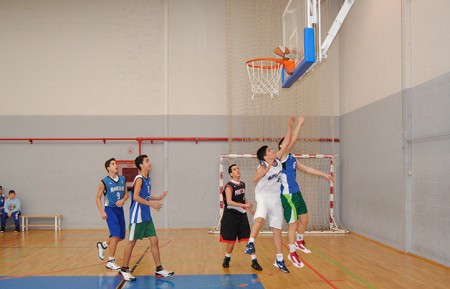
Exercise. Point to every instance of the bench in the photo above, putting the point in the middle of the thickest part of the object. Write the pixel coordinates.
(56, 224)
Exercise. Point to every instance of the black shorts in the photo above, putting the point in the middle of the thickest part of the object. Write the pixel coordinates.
(234, 225)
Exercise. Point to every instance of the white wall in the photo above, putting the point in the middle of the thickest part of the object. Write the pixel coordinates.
(370, 53)
(430, 40)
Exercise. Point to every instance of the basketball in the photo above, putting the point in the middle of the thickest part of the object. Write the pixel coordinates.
(282, 52)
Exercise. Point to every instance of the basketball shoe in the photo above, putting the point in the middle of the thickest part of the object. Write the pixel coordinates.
(161, 272)
(126, 274)
(295, 259)
(255, 265)
(250, 249)
(226, 262)
(100, 251)
(300, 245)
(280, 265)
(112, 265)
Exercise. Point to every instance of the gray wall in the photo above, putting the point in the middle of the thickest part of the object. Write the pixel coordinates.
(394, 125)
(63, 177)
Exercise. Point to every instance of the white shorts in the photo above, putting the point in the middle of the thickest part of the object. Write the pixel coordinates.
(270, 208)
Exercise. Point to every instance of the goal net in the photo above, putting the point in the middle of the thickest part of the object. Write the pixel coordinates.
(317, 192)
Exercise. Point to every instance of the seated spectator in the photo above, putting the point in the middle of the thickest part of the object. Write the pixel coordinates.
(2, 201)
(12, 209)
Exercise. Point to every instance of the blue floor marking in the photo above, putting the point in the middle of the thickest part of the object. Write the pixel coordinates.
(227, 281)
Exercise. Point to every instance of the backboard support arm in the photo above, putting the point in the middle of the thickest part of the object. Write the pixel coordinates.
(346, 6)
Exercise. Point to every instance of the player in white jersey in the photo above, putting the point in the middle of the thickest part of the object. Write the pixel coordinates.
(294, 206)
(267, 196)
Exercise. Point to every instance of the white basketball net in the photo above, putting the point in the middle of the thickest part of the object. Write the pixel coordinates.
(264, 75)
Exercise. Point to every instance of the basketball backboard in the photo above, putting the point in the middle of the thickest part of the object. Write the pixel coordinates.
(302, 35)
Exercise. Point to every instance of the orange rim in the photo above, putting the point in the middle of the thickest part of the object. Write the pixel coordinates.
(252, 63)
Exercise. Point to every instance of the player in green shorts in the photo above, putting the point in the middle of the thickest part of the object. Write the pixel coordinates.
(141, 223)
(295, 211)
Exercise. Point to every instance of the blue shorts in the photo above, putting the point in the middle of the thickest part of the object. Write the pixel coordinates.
(116, 222)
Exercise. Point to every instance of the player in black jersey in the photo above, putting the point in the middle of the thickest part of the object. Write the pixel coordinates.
(234, 223)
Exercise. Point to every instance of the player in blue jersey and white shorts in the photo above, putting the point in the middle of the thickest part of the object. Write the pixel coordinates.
(294, 206)
(267, 196)
(113, 188)
(141, 222)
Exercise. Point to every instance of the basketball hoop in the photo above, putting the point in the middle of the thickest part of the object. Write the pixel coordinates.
(264, 75)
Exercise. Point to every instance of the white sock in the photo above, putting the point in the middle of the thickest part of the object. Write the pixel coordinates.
(105, 245)
(299, 237)
(279, 257)
(291, 248)
(251, 240)
(253, 256)
(227, 255)
(111, 258)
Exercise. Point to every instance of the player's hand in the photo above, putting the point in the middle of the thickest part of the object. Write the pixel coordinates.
(119, 203)
(291, 120)
(163, 195)
(156, 205)
(330, 178)
(104, 216)
(301, 119)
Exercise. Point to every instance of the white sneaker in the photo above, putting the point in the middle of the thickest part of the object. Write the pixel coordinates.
(111, 264)
(300, 245)
(126, 274)
(163, 273)
(100, 251)
(293, 257)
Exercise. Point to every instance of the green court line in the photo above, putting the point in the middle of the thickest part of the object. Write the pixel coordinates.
(347, 271)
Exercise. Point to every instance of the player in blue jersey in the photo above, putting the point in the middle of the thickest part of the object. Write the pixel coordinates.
(113, 188)
(295, 211)
(2, 201)
(141, 223)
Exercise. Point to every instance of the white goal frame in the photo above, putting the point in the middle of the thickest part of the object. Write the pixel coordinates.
(333, 225)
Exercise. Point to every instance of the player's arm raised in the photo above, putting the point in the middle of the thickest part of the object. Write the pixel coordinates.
(295, 134)
(98, 200)
(287, 138)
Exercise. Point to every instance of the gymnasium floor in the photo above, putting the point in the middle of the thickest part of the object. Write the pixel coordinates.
(68, 259)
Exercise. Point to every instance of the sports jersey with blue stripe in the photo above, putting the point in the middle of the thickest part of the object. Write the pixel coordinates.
(114, 191)
(139, 212)
(289, 183)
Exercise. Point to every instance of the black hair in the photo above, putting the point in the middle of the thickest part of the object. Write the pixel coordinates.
(12, 192)
(231, 167)
(279, 144)
(139, 161)
(108, 162)
(261, 153)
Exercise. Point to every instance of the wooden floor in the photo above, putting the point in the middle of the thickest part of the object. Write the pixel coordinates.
(336, 261)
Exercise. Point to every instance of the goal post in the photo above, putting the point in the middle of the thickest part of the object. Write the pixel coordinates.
(319, 193)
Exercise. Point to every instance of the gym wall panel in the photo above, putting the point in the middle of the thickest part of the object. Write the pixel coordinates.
(370, 53)
(81, 57)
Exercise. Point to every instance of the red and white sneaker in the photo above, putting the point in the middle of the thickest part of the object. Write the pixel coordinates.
(300, 245)
(295, 259)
